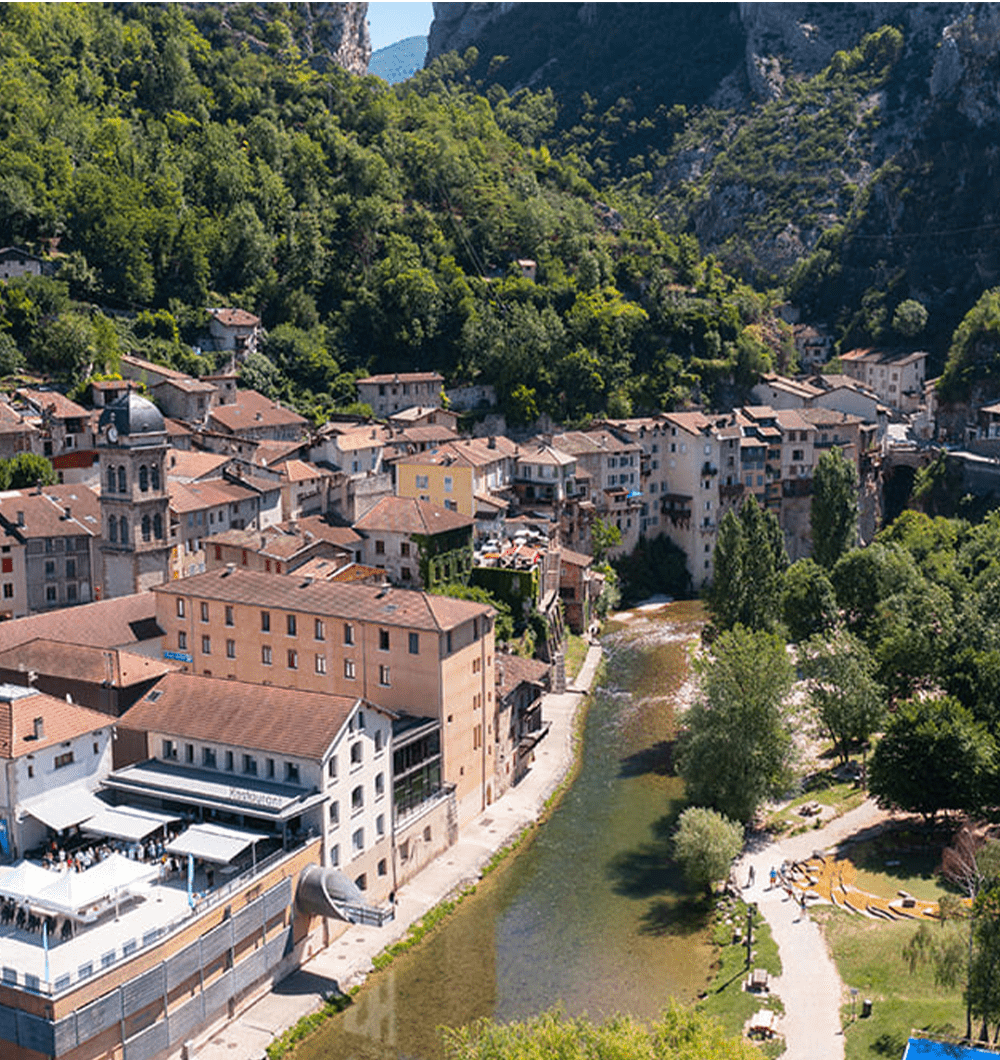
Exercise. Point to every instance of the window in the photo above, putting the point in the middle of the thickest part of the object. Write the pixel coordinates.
(208, 757)
(477, 737)
(293, 659)
(321, 664)
(404, 573)
(182, 641)
(269, 767)
(250, 765)
(319, 630)
(349, 669)
(169, 749)
(447, 484)
(204, 612)
(143, 478)
(422, 482)
(230, 617)
(380, 827)
(230, 649)
(379, 785)
(265, 654)
(361, 719)
(335, 855)
(334, 813)
(414, 643)
(383, 640)
(111, 480)
(291, 773)
(477, 665)
(65, 759)
(331, 767)
(71, 593)
(122, 482)
(361, 882)
(71, 568)
(50, 568)
(378, 741)
(383, 676)
(265, 621)
(404, 548)
(348, 632)
(379, 548)
(356, 753)
(358, 840)
(206, 645)
(357, 799)
(291, 625)
(189, 753)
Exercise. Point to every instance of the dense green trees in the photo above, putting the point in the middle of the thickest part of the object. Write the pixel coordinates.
(750, 560)
(679, 1034)
(736, 747)
(934, 756)
(833, 514)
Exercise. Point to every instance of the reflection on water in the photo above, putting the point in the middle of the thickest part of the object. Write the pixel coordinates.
(589, 914)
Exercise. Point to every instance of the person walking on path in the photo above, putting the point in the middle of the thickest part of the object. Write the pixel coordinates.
(750, 876)
(774, 877)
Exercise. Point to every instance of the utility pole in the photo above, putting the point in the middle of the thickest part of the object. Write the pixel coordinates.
(751, 909)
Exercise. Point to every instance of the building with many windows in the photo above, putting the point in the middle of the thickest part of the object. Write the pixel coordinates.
(408, 652)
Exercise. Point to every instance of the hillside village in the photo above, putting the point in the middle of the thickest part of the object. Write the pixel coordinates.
(228, 661)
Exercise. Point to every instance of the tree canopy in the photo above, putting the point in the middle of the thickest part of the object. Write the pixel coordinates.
(736, 747)
(833, 515)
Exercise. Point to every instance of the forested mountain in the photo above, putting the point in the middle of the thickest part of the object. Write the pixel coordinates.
(178, 161)
(802, 144)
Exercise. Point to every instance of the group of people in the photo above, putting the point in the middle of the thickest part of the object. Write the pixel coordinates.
(22, 917)
(82, 858)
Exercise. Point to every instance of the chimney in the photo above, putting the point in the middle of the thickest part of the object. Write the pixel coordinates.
(39, 728)
(67, 512)
(230, 569)
(260, 415)
(20, 518)
(492, 443)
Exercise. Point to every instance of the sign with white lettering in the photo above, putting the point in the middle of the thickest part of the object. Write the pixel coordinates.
(257, 798)
(178, 656)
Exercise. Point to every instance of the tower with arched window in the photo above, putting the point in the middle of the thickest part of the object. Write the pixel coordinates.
(135, 538)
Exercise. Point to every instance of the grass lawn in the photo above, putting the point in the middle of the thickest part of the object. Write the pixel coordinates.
(821, 787)
(576, 652)
(885, 867)
(725, 999)
(868, 954)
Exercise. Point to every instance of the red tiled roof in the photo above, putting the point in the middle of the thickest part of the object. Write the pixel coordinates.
(60, 721)
(235, 318)
(196, 496)
(263, 717)
(406, 515)
(44, 515)
(60, 405)
(254, 410)
(193, 464)
(404, 377)
(120, 621)
(83, 662)
(513, 670)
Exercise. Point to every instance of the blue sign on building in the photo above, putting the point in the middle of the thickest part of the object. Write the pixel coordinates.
(178, 656)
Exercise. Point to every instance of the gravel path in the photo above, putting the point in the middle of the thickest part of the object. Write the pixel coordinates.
(809, 985)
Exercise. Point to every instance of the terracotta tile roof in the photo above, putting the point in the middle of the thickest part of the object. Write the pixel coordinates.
(575, 559)
(271, 452)
(875, 355)
(352, 572)
(83, 662)
(51, 400)
(344, 536)
(416, 412)
(822, 417)
(300, 471)
(82, 501)
(544, 454)
(577, 443)
(131, 361)
(472, 452)
(408, 608)
(121, 621)
(253, 410)
(276, 542)
(432, 432)
(692, 422)
(235, 318)
(60, 721)
(798, 387)
(12, 422)
(365, 438)
(406, 515)
(176, 429)
(44, 516)
(513, 670)
(188, 384)
(190, 464)
(196, 496)
(404, 377)
(282, 721)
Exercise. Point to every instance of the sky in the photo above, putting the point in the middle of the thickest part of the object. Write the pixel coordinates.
(390, 22)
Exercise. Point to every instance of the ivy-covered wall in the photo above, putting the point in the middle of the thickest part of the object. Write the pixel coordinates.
(516, 588)
(444, 558)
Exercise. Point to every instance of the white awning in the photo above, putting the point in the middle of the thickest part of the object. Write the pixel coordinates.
(213, 842)
(127, 822)
(64, 807)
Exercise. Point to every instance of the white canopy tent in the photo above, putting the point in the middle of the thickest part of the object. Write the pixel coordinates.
(85, 895)
(24, 881)
(127, 822)
(216, 843)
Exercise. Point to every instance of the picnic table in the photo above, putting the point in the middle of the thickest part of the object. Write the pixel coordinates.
(758, 979)
(762, 1023)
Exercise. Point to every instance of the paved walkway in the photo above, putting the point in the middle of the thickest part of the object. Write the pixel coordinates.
(348, 960)
(809, 985)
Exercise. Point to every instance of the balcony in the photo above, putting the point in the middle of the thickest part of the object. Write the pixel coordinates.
(708, 469)
(731, 491)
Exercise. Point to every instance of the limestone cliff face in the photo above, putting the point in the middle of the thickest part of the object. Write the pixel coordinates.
(456, 26)
(330, 34)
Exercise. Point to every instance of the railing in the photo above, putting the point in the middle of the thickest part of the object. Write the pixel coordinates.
(129, 948)
(407, 817)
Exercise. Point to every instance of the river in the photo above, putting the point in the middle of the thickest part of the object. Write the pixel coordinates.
(590, 915)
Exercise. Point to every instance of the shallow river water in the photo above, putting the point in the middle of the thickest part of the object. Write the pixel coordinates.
(590, 915)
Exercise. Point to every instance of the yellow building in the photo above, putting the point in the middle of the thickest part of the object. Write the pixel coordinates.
(459, 475)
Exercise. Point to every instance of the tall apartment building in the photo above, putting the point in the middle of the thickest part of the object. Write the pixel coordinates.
(404, 651)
